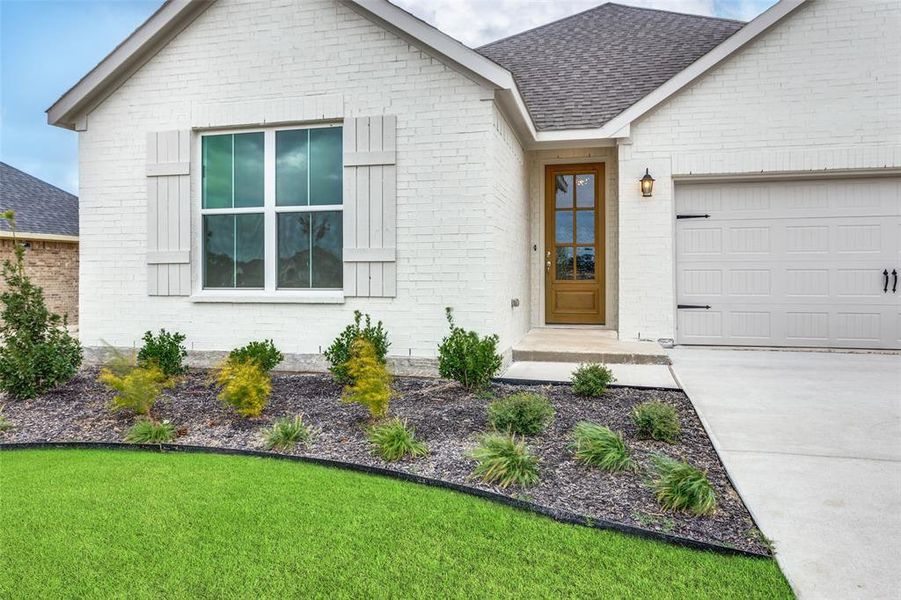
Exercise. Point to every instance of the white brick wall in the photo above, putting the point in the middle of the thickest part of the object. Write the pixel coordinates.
(458, 223)
(821, 90)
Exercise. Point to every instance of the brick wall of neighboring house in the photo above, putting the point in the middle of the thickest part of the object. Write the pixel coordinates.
(818, 91)
(54, 267)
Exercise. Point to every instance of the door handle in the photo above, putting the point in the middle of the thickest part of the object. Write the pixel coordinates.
(885, 287)
(895, 280)
(547, 267)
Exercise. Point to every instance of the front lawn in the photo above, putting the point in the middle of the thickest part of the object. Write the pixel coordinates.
(86, 523)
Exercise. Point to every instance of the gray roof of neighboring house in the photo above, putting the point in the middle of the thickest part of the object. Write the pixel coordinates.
(582, 71)
(40, 207)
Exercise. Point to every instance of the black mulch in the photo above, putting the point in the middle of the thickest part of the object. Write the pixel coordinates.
(445, 416)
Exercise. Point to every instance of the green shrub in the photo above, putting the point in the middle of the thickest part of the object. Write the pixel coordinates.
(286, 433)
(598, 446)
(394, 440)
(467, 358)
(138, 387)
(371, 385)
(591, 380)
(263, 353)
(505, 461)
(524, 413)
(680, 486)
(339, 353)
(37, 352)
(245, 386)
(657, 421)
(165, 350)
(146, 431)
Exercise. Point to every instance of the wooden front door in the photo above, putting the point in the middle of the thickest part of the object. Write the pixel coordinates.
(574, 244)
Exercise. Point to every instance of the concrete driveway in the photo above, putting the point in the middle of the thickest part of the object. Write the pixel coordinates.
(812, 441)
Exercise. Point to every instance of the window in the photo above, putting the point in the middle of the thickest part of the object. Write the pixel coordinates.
(271, 203)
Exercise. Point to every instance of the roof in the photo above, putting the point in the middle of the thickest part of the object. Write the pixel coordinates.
(40, 207)
(637, 57)
(581, 71)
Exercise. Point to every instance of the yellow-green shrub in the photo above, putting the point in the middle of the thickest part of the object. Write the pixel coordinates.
(371, 385)
(245, 386)
(138, 387)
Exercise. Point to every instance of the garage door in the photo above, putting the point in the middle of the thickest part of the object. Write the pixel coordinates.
(789, 263)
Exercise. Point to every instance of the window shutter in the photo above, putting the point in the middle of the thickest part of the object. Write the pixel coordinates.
(370, 207)
(169, 213)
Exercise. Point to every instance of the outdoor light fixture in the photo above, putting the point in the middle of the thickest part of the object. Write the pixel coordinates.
(647, 184)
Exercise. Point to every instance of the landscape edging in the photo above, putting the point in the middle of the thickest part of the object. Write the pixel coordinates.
(562, 516)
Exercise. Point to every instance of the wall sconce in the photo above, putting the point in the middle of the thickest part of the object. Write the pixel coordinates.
(647, 184)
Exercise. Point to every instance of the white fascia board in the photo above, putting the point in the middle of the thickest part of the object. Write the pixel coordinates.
(165, 21)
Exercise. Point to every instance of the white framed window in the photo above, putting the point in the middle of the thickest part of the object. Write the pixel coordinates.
(271, 209)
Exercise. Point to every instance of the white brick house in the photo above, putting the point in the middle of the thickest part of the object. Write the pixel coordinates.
(255, 170)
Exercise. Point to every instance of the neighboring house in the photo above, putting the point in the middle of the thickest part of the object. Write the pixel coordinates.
(255, 170)
(47, 224)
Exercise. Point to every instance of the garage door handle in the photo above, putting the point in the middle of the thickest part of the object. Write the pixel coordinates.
(704, 306)
(895, 280)
(885, 287)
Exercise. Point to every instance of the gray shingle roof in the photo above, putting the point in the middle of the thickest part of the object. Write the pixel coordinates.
(40, 207)
(581, 71)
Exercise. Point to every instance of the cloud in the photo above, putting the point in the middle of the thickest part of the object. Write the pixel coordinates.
(477, 22)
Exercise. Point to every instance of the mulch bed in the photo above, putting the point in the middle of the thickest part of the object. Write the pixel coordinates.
(449, 419)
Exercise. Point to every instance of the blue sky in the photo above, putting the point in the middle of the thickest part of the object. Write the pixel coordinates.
(47, 46)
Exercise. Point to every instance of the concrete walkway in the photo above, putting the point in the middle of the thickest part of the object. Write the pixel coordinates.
(644, 376)
(813, 443)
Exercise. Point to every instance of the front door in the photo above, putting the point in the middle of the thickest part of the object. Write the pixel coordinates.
(574, 244)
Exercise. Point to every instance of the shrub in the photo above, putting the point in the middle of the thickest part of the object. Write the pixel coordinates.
(286, 433)
(263, 353)
(592, 380)
(165, 350)
(138, 387)
(599, 446)
(5, 425)
(146, 431)
(245, 386)
(503, 460)
(371, 385)
(393, 441)
(466, 357)
(37, 352)
(339, 353)
(657, 421)
(680, 486)
(524, 413)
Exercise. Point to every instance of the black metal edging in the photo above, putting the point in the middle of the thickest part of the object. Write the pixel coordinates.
(563, 516)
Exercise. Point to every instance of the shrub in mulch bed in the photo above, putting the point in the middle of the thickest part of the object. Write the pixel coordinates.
(445, 417)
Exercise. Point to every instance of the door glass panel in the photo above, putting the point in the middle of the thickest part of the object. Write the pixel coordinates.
(564, 262)
(249, 251)
(326, 165)
(294, 250)
(217, 171)
(585, 267)
(219, 251)
(291, 167)
(248, 169)
(328, 270)
(563, 190)
(585, 191)
(585, 226)
(564, 226)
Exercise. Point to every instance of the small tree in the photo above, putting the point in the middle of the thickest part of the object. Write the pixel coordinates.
(37, 352)
(371, 385)
(466, 357)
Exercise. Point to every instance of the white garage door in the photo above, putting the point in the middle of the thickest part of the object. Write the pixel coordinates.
(789, 263)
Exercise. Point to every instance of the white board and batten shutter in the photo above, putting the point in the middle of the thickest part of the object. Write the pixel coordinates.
(370, 207)
(169, 213)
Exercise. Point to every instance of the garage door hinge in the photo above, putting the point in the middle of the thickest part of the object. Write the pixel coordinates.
(704, 306)
(692, 216)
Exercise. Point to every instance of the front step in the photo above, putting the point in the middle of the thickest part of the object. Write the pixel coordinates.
(574, 345)
(631, 375)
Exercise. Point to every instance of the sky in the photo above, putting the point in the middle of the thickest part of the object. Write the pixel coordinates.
(46, 46)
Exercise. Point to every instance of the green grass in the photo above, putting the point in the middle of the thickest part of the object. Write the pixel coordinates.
(101, 524)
